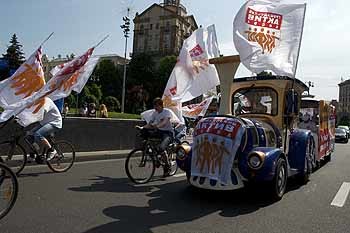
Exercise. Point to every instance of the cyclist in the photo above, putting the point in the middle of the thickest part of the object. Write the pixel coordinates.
(51, 122)
(160, 120)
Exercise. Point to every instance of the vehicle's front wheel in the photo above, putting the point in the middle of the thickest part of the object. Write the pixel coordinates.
(279, 182)
(173, 164)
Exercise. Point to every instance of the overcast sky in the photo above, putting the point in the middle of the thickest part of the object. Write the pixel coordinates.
(79, 24)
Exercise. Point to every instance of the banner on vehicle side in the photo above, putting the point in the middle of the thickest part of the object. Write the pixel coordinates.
(215, 143)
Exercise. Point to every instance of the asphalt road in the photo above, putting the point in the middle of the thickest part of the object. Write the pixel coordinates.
(96, 197)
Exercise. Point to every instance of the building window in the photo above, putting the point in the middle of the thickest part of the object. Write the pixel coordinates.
(157, 26)
(150, 26)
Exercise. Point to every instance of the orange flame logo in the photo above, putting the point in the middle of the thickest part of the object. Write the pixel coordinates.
(28, 82)
(267, 41)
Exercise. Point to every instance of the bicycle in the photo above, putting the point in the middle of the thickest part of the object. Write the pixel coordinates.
(141, 163)
(15, 155)
(8, 189)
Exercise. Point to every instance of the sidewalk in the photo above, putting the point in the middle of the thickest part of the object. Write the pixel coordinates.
(100, 155)
(108, 154)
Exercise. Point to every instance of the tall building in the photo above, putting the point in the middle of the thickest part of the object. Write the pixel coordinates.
(162, 28)
(344, 99)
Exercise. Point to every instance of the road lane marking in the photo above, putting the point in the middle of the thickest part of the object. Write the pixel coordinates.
(180, 175)
(340, 198)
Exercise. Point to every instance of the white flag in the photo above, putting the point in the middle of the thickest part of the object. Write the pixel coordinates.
(196, 110)
(192, 75)
(72, 76)
(76, 81)
(26, 81)
(267, 35)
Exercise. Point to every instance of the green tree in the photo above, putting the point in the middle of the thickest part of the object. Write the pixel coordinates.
(95, 90)
(109, 78)
(112, 103)
(166, 66)
(71, 100)
(14, 57)
(141, 72)
(90, 99)
(14, 53)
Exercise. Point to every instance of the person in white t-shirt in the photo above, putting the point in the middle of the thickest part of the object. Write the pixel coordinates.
(51, 122)
(160, 120)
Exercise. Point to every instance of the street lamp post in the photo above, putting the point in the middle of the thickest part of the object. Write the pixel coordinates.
(310, 84)
(126, 29)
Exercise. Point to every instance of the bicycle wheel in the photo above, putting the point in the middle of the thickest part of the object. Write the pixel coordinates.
(8, 189)
(64, 158)
(14, 156)
(173, 164)
(139, 166)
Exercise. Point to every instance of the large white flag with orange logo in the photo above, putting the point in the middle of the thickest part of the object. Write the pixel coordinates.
(71, 76)
(192, 75)
(267, 35)
(26, 81)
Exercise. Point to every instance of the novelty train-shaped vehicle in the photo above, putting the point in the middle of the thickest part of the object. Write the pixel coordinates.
(259, 135)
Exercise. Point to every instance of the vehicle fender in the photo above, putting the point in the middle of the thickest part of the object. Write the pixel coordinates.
(267, 171)
(297, 148)
(185, 162)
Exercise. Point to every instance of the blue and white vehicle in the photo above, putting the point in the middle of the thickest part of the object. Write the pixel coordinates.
(255, 139)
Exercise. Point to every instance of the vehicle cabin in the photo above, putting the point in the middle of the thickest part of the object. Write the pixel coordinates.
(268, 98)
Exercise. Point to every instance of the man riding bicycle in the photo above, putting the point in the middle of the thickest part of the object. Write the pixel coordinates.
(51, 122)
(160, 120)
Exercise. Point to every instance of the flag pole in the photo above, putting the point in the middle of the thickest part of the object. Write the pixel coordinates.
(46, 39)
(301, 36)
(101, 41)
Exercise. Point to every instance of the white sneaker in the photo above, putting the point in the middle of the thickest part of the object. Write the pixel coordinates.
(51, 154)
(30, 158)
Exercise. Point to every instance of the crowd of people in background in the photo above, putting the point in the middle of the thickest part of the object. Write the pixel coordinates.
(86, 110)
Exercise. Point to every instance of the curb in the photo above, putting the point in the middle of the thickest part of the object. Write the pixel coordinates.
(100, 155)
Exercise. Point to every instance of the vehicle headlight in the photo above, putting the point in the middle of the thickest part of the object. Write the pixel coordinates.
(182, 151)
(256, 159)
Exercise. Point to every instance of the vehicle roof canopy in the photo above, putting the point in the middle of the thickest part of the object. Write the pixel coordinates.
(272, 80)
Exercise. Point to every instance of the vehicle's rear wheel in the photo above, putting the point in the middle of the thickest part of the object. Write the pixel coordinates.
(279, 182)
(309, 157)
(328, 158)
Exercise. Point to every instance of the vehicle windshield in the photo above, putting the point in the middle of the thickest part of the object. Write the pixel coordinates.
(340, 131)
(343, 127)
(259, 100)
